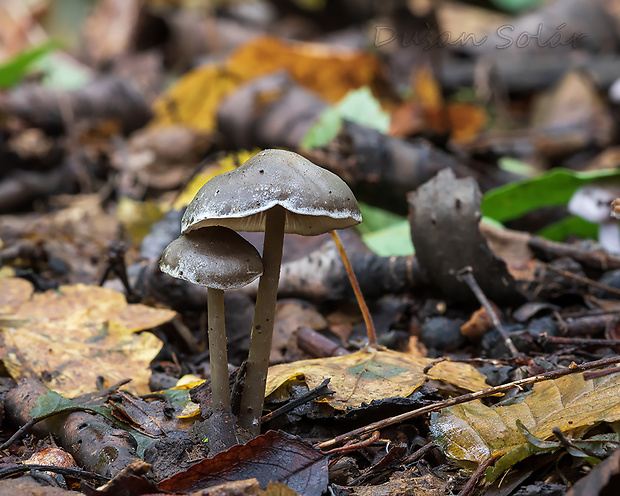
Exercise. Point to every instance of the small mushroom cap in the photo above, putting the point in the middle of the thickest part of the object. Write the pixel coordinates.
(316, 200)
(215, 257)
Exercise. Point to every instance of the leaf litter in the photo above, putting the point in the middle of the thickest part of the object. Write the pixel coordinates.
(269, 91)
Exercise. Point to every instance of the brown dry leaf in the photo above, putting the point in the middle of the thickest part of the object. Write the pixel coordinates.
(328, 72)
(71, 336)
(473, 432)
(75, 233)
(194, 99)
(372, 375)
(271, 457)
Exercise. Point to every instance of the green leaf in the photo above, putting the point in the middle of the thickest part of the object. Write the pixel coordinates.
(62, 73)
(570, 226)
(554, 188)
(393, 240)
(51, 402)
(358, 106)
(376, 218)
(516, 5)
(15, 69)
(516, 166)
(385, 232)
(323, 131)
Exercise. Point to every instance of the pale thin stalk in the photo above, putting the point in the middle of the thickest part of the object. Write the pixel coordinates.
(218, 357)
(370, 326)
(253, 394)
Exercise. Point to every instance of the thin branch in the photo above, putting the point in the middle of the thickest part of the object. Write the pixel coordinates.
(466, 275)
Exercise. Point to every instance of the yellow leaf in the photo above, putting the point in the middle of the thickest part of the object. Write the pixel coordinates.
(71, 336)
(193, 100)
(137, 217)
(473, 432)
(372, 375)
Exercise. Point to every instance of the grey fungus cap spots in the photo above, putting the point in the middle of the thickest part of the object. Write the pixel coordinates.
(316, 200)
(214, 257)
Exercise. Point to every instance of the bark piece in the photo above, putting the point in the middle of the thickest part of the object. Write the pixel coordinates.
(444, 215)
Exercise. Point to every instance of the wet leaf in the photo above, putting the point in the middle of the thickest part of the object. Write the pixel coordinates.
(71, 336)
(272, 457)
(473, 432)
(372, 375)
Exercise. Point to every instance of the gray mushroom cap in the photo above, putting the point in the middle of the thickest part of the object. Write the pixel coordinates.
(215, 257)
(315, 199)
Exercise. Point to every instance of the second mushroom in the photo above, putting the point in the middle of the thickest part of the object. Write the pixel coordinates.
(220, 259)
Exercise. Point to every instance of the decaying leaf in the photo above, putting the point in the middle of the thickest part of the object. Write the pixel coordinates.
(71, 336)
(272, 457)
(372, 375)
(472, 432)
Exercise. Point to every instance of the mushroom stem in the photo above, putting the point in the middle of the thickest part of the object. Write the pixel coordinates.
(220, 389)
(370, 326)
(253, 394)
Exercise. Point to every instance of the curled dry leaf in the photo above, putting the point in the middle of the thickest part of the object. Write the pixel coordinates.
(272, 457)
(472, 432)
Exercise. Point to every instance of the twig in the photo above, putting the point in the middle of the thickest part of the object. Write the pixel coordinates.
(317, 392)
(347, 448)
(75, 472)
(555, 374)
(466, 275)
(578, 341)
(581, 279)
(416, 455)
(471, 483)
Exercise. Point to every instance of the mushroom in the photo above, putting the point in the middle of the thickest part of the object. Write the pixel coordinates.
(592, 202)
(275, 191)
(220, 259)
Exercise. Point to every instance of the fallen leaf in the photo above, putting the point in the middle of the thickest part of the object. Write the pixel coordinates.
(194, 99)
(73, 335)
(272, 457)
(137, 217)
(473, 432)
(372, 375)
(329, 72)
